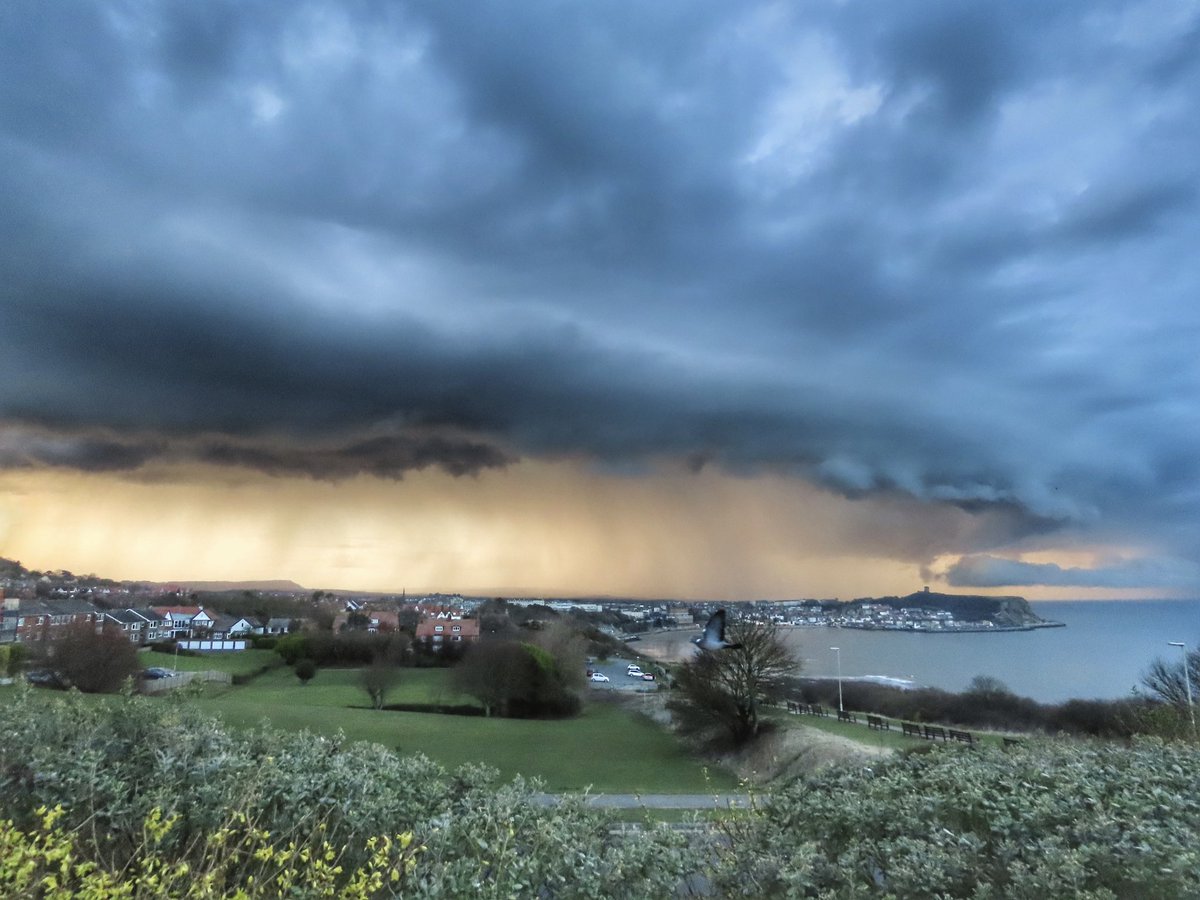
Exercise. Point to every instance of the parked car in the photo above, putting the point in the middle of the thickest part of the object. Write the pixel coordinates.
(634, 673)
(157, 672)
(46, 679)
(599, 676)
(647, 676)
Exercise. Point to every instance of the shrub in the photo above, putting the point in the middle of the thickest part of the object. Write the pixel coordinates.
(1047, 819)
(153, 787)
(18, 655)
(95, 662)
(305, 670)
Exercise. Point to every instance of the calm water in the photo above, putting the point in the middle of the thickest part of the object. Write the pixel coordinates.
(1101, 653)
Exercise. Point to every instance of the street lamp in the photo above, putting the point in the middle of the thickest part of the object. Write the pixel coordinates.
(1187, 680)
(838, 651)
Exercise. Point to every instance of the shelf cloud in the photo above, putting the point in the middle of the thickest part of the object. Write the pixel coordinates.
(900, 249)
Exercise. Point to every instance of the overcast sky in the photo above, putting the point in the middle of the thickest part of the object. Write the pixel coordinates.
(693, 299)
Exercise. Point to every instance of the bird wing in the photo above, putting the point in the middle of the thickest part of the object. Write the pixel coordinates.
(714, 631)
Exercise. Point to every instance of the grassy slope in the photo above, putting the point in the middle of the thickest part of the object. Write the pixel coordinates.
(605, 748)
(859, 731)
(235, 663)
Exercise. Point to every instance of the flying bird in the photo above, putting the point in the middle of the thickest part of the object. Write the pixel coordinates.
(713, 637)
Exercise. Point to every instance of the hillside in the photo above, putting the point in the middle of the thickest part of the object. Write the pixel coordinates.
(1009, 612)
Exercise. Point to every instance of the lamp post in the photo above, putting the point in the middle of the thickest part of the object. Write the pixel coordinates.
(838, 651)
(1187, 681)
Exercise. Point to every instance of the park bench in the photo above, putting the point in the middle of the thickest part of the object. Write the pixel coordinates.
(816, 709)
(1012, 742)
(844, 715)
(935, 733)
(963, 737)
(793, 706)
(878, 722)
(911, 730)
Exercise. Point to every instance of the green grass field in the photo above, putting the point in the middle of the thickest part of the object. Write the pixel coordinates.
(607, 747)
(235, 663)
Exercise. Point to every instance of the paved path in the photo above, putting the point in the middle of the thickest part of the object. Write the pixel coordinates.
(656, 801)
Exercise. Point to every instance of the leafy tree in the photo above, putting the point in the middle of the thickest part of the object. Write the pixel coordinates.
(514, 679)
(491, 672)
(293, 647)
(722, 691)
(96, 662)
(305, 670)
(379, 678)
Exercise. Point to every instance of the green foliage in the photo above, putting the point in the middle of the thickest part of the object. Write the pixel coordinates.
(306, 669)
(18, 655)
(521, 680)
(986, 703)
(95, 662)
(360, 648)
(135, 797)
(1047, 819)
(157, 801)
(293, 647)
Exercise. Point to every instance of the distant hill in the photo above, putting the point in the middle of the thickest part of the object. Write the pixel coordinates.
(1007, 611)
(269, 585)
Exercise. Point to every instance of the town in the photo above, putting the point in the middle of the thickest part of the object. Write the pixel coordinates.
(36, 604)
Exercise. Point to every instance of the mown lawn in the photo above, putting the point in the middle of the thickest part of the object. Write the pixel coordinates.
(606, 748)
(238, 662)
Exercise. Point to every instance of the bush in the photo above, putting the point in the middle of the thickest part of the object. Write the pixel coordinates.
(1047, 819)
(95, 662)
(993, 707)
(152, 787)
(306, 669)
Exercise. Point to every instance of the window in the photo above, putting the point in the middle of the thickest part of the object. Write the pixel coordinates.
(456, 628)
(439, 628)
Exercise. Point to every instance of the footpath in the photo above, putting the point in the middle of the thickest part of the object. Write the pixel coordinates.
(655, 801)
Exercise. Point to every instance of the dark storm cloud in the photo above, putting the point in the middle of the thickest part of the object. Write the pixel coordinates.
(26, 450)
(937, 250)
(990, 571)
(382, 456)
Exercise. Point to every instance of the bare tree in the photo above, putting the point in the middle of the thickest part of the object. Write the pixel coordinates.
(723, 690)
(379, 678)
(1166, 682)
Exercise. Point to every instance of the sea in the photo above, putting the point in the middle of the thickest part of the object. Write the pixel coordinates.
(1101, 653)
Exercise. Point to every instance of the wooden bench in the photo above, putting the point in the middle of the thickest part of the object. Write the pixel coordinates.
(1012, 742)
(878, 722)
(816, 709)
(793, 706)
(844, 715)
(963, 737)
(934, 733)
(911, 730)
